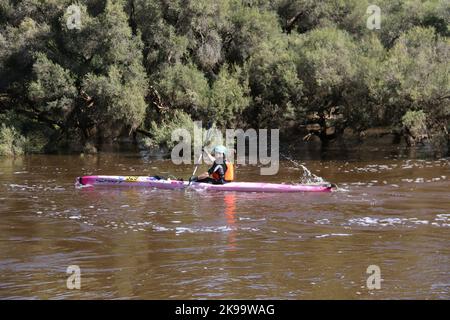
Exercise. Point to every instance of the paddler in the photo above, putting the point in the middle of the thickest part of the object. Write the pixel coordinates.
(221, 171)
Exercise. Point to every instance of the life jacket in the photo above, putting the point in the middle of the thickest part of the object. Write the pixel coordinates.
(229, 172)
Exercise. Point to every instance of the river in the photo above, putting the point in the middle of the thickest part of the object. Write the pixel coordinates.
(137, 243)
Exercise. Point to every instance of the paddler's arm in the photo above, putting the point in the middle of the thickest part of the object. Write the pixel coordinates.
(207, 173)
(210, 157)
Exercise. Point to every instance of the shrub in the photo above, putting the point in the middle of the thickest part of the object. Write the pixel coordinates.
(11, 142)
(162, 132)
(415, 122)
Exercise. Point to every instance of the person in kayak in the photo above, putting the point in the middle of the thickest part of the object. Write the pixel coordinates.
(221, 171)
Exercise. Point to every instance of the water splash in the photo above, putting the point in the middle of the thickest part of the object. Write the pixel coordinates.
(308, 177)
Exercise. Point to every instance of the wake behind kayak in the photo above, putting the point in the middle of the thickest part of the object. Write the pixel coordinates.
(155, 182)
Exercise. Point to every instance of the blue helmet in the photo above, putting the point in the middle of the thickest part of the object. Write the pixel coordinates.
(220, 149)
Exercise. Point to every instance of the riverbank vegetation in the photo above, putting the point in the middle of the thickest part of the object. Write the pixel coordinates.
(137, 68)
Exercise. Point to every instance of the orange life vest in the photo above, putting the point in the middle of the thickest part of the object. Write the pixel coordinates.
(229, 173)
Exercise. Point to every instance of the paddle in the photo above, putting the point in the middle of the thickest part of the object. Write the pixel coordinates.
(208, 136)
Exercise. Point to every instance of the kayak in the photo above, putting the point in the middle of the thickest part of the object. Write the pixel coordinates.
(156, 182)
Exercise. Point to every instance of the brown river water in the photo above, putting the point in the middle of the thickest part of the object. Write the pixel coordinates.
(138, 243)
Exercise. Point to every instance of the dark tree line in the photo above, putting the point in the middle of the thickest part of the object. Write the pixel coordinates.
(144, 67)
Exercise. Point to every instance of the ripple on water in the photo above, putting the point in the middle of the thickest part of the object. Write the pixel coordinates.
(439, 221)
(327, 235)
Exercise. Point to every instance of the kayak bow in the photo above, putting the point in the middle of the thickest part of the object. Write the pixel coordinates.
(154, 182)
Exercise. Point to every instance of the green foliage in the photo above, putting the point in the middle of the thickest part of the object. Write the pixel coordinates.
(229, 97)
(327, 63)
(163, 43)
(5, 11)
(417, 71)
(415, 122)
(36, 142)
(275, 86)
(249, 28)
(23, 135)
(11, 142)
(402, 15)
(363, 102)
(206, 19)
(53, 90)
(326, 58)
(74, 79)
(168, 47)
(116, 45)
(306, 15)
(240, 63)
(162, 131)
(117, 97)
(185, 87)
(18, 45)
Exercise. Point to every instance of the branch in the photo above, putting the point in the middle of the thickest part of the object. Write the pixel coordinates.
(144, 132)
(40, 117)
(6, 104)
(290, 23)
(156, 100)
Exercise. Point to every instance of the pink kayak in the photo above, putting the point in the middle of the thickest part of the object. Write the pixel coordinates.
(154, 182)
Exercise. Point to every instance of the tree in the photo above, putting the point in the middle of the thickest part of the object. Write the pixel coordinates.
(327, 65)
(418, 71)
(305, 15)
(186, 88)
(52, 92)
(365, 103)
(249, 28)
(229, 97)
(403, 15)
(88, 81)
(275, 86)
(118, 83)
